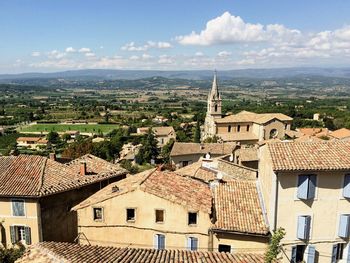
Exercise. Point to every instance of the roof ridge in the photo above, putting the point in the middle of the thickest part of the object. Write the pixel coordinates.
(42, 175)
(147, 176)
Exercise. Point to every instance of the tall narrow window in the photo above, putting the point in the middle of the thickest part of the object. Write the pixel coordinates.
(303, 227)
(229, 128)
(192, 243)
(216, 107)
(248, 128)
(306, 186)
(130, 214)
(337, 252)
(297, 253)
(18, 208)
(159, 241)
(238, 128)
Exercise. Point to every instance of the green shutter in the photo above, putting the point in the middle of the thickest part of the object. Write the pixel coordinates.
(13, 234)
(28, 236)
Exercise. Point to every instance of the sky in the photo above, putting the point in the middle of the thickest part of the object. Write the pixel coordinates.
(56, 35)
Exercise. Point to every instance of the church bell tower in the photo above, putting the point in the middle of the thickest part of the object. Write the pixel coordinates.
(214, 100)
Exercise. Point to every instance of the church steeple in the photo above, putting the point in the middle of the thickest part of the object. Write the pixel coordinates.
(214, 99)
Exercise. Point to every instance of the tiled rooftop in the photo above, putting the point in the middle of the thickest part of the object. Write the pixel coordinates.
(51, 252)
(35, 176)
(168, 185)
(158, 131)
(341, 133)
(289, 156)
(238, 208)
(260, 118)
(183, 148)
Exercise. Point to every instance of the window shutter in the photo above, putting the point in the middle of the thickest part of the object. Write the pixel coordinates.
(311, 254)
(161, 242)
(293, 257)
(344, 226)
(28, 236)
(194, 244)
(348, 254)
(303, 185)
(303, 228)
(155, 241)
(307, 226)
(312, 186)
(189, 243)
(334, 254)
(346, 189)
(13, 234)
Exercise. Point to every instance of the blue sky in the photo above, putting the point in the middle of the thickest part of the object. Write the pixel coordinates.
(52, 35)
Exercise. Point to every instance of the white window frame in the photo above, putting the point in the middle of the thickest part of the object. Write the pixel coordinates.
(23, 241)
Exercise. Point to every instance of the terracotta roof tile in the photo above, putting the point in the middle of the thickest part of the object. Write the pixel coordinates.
(183, 148)
(238, 208)
(158, 131)
(35, 176)
(168, 185)
(341, 133)
(260, 118)
(50, 252)
(331, 155)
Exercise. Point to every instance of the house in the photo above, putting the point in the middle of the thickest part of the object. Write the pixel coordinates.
(163, 134)
(306, 190)
(37, 193)
(165, 210)
(316, 132)
(342, 134)
(31, 142)
(129, 151)
(51, 252)
(244, 127)
(185, 153)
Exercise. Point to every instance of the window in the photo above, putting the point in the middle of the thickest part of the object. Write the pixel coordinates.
(184, 163)
(346, 189)
(303, 228)
(306, 186)
(337, 252)
(130, 214)
(216, 107)
(224, 248)
(273, 133)
(192, 218)
(20, 234)
(238, 128)
(248, 128)
(229, 128)
(159, 241)
(297, 254)
(192, 243)
(159, 216)
(344, 222)
(98, 213)
(18, 208)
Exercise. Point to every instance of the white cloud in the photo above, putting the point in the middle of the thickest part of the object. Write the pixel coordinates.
(199, 54)
(84, 50)
(55, 54)
(70, 50)
(224, 54)
(90, 54)
(36, 54)
(229, 29)
(150, 44)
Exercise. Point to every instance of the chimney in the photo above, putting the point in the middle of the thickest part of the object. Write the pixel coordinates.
(83, 168)
(52, 156)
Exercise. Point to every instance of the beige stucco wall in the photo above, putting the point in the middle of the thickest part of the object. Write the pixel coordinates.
(274, 124)
(241, 243)
(116, 231)
(222, 128)
(31, 219)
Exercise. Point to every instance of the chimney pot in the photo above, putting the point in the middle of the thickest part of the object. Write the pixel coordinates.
(83, 168)
(52, 156)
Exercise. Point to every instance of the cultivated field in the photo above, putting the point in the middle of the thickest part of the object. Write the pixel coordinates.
(83, 128)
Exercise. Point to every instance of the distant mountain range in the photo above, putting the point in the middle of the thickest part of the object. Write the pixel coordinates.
(109, 74)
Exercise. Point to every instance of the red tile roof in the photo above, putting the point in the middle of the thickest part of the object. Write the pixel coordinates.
(35, 176)
(182, 190)
(183, 148)
(51, 252)
(311, 156)
(238, 208)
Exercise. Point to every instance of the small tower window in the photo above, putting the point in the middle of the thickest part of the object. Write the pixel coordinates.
(238, 128)
(229, 128)
(216, 107)
(248, 128)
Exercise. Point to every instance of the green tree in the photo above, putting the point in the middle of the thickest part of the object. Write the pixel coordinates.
(197, 133)
(53, 137)
(166, 150)
(66, 137)
(274, 248)
(149, 149)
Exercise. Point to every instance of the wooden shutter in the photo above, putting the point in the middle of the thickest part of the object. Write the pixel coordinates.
(312, 186)
(293, 257)
(307, 226)
(311, 254)
(303, 186)
(155, 241)
(344, 226)
(189, 243)
(28, 236)
(13, 234)
(194, 245)
(303, 228)
(334, 254)
(346, 189)
(348, 254)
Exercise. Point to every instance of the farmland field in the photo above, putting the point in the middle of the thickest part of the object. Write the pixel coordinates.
(88, 128)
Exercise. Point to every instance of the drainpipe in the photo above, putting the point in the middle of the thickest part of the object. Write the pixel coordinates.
(211, 240)
(276, 203)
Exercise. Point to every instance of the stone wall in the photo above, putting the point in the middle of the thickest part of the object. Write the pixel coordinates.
(237, 171)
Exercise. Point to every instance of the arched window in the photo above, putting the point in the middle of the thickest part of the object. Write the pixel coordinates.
(273, 133)
(229, 128)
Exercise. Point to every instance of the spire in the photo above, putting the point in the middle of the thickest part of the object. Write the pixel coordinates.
(214, 93)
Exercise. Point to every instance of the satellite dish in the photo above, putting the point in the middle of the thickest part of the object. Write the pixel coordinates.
(231, 157)
(219, 176)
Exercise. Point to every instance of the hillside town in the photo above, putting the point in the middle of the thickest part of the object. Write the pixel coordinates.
(249, 180)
